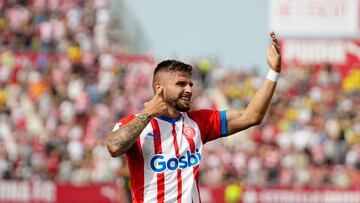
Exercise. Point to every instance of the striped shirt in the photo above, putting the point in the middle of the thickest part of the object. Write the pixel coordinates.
(164, 162)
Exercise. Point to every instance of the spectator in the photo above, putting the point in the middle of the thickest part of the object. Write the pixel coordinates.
(58, 68)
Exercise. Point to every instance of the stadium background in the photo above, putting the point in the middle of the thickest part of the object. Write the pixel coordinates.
(70, 69)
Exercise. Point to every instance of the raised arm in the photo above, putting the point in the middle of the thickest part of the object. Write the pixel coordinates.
(120, 140)
(256, 110)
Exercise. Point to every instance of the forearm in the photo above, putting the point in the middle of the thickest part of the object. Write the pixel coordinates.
(256, 110)
(119, 141)
(261, 101)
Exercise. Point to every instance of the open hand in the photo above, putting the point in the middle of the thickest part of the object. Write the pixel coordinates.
(273, 56)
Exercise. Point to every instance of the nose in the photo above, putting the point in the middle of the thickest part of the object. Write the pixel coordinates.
(188, 89)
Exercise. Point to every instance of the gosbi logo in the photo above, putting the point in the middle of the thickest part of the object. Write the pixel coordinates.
(159, 163)
(189, 131)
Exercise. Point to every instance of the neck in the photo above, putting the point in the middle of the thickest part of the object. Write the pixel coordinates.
(172, 113)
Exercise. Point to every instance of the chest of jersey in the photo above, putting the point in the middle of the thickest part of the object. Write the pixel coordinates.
(169, 146)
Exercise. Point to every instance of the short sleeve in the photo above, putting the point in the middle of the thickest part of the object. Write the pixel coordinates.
(122, 122)
(134, 148)
(212, 123)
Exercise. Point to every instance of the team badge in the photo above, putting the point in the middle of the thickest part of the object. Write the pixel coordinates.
(189, 131)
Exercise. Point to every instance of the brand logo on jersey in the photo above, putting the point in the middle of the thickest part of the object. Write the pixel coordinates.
(149, 134)
(159, 163)
(189, 131)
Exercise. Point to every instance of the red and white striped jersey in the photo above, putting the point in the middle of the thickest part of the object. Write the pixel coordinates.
(164, 162)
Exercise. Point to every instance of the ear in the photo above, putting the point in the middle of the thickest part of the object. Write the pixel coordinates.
(156, 86)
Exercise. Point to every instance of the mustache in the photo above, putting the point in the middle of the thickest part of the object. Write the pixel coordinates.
(186, 95)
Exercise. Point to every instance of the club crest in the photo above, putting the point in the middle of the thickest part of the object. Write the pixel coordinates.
(189, 131)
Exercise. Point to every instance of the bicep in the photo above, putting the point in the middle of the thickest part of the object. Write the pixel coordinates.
(239, 120)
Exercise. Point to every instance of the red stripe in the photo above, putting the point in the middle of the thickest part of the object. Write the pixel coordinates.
(196, 168)
(179, 185)
(158, 150)
(191, 144)
(136, 167)
(176, 146)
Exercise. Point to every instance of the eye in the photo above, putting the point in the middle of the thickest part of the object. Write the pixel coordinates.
(181, 83)
(184, 83)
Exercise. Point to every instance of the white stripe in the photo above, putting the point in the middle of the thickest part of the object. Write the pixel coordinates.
(150, 177)
(167, 144)
(189, 181)
(195, 194)
(187, 175)
(117, 126)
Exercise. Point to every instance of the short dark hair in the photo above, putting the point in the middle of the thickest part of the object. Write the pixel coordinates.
(173, 66)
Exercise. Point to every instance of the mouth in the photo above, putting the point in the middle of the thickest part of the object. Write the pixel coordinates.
(186, 98)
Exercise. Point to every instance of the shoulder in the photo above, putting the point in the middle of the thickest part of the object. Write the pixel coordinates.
(203, 116)
(202, 113)
(123, 121)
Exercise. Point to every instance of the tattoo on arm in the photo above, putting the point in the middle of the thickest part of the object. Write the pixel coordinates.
(122, 139)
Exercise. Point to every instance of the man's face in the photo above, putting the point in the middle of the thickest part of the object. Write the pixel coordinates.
(178, 90)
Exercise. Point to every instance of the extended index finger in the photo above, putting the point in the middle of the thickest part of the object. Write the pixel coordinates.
(273, 38)
(275, 42)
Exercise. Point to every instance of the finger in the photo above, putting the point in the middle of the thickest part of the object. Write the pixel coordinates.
(273, 38)
(276, 47)
(272, 34)
(275, 42)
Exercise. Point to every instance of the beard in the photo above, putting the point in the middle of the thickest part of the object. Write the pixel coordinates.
(179, 104)
(182, 105)
(182, 108)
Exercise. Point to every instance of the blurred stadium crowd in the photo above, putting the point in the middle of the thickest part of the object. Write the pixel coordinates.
(62, 89)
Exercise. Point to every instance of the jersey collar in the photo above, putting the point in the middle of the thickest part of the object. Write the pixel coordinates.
(170, 120)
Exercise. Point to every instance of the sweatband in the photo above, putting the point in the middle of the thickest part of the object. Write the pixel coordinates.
(273, 75)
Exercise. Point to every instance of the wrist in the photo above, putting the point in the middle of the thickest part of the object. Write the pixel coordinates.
(144, 118)
(273, 75)
(147, 113)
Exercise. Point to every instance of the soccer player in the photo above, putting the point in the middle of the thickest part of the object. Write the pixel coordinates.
(163, 142)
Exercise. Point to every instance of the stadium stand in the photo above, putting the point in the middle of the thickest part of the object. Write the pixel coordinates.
(63, 86)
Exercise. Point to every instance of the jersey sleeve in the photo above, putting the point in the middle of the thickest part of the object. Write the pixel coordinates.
(212, 123)
(121, 123)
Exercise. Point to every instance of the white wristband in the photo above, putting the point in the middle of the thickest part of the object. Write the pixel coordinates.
(273, 75)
